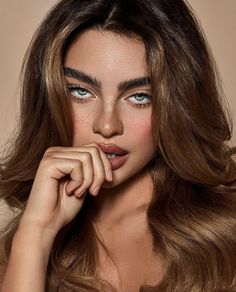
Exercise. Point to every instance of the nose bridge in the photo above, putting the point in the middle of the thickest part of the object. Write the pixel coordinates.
(108, 120)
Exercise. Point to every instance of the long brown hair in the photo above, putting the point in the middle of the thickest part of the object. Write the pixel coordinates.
(192, 215)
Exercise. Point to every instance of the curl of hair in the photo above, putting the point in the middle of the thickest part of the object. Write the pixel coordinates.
(192, 214)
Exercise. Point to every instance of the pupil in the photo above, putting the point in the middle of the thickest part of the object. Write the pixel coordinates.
(140, 96)
(82, 91)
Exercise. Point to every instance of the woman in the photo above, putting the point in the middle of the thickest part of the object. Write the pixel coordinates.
(120, 171)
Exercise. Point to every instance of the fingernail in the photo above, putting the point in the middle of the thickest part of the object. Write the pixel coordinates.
(95, 191)
(109, 175)
(79, 193)
(69, 193)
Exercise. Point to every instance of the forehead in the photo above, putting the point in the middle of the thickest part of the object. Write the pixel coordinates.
(107, 54)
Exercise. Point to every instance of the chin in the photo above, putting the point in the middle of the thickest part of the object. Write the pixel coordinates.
(116, 181)
(121, 177)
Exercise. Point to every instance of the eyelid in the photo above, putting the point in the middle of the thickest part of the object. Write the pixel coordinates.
(135, 90)
(127, 95)
(77, 86)
(148, 96)
(139, 92)
(142, 91)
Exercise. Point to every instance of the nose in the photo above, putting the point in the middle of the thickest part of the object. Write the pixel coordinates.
(108, 122)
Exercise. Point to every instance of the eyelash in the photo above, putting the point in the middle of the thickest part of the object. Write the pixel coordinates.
(72, 88)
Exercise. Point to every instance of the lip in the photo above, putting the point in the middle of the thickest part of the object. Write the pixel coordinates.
(112, 148)
(118, 161)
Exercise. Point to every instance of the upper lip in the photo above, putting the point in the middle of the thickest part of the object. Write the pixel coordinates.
(112, 148)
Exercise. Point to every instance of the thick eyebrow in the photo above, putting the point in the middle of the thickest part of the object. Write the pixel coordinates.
(122, 86)
(133, 83)
(81, 76)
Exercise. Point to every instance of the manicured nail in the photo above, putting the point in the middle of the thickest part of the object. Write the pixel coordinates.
(109, 175)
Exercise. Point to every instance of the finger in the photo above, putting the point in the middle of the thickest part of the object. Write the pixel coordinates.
(99, 168)
(98, 173)
(97, 160)
(51, 170)
(106, 163)
(77, 180)
(105, 160)
(82, 175)
(88, 173)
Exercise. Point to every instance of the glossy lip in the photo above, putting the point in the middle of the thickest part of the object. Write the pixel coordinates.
(112, 148)
(118, 161)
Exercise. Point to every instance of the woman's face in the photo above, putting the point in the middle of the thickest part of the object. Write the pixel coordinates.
(113, 105)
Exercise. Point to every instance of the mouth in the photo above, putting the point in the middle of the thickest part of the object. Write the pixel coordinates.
(112, 149)
(117, 161)
(116, 155)
(111, 155)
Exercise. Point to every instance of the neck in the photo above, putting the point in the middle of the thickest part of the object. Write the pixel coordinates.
(124, 201)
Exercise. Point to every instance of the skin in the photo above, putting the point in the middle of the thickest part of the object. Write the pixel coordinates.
(108, 116)
(65, 174)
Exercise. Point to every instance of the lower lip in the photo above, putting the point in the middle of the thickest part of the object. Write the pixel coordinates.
(118, 161)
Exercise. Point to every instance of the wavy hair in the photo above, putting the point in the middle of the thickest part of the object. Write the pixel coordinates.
(192, 215)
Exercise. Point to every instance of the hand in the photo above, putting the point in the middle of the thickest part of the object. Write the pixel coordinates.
(63, 178)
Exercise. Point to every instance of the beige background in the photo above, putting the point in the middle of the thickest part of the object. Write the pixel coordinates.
(19, 19)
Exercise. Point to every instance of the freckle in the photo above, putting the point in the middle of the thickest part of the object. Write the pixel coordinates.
(80, 122)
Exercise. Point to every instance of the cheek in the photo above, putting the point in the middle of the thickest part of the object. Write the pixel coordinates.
(82, 128)
(81, 119)
(81, 123)
(141, 137)
(141, 128)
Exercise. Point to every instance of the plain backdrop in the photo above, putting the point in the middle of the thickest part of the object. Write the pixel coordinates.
(20, 18)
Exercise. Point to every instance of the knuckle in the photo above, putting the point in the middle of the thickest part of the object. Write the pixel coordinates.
(87, 157)
(79, 180)
(77, 164)
(47, 160)
(51, 149)
(87, 182)
(94, 150)
(96, 145)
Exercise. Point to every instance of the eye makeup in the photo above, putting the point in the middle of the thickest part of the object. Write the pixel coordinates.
(81, 95)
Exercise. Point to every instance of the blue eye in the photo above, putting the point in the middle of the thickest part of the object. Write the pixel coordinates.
(79, 92)
(82, 91)
(140, 99)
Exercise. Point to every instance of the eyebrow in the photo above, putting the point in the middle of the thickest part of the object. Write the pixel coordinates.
(122, 86)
